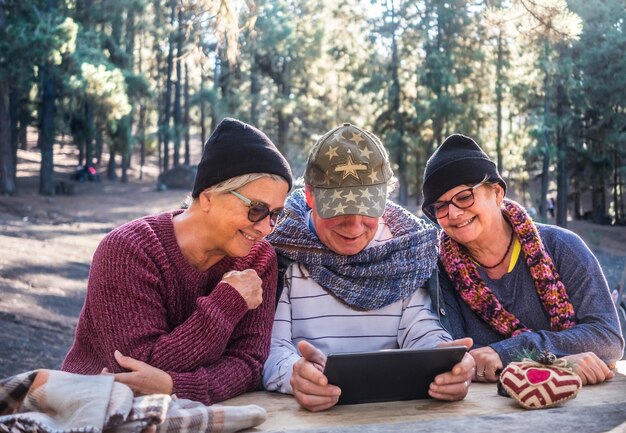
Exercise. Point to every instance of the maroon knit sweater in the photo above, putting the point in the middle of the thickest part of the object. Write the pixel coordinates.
(147, 301)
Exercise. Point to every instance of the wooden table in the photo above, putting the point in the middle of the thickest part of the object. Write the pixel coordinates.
(597, 408)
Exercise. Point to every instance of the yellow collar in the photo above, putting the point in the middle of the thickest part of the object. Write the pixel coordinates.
(517, 247)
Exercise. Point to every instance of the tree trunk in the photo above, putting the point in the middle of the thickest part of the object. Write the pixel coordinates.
(115, 50)
(545, 168)
(112, 166)
(597, 204)
(499, 85)
(160, 131)
(620, 185)
(141, 127)
(79, 142)
(99, 143)
(215, 109)
(616, 180)
(45, 141)
(202, 122)
(178, 89)
(561, 146)
(142, 139)
(89, 132)
(46, 133)
(545, 179)
(125, 166)
(22, 135)
(7, 185)
(122, 144)
(167, 113)
(438, 121)
(186, 126)
(130, 38)
(283, 130)
(397, 126)
(14, 100)
(130, 56)
(284, 120)
(160, 94)
(255, 87)
(578, 214)
(7, 168)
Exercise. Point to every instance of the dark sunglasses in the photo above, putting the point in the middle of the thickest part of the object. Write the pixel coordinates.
(462, 200)
(258, 211)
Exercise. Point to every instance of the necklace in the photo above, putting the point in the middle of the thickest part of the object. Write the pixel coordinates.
(506, 253)
(470, 286)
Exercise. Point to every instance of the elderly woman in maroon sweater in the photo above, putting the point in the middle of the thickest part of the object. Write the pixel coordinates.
(187, 296)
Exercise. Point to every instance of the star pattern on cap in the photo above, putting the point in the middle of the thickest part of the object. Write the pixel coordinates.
(349, 174)
(351, 197)
(357, 138)
(336, 195)
(340, 209)
(373, 176)
(331, 152)
(365, 193)
(337, 136)
(321, 193)
(350, 168)
(326, 180)
(362, 207)
(376, 206)
(365, 153)
(351, 201)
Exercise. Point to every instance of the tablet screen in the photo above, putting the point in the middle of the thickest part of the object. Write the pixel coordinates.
(389, 375)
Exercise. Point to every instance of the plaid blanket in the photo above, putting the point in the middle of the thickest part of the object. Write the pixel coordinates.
(50, 401)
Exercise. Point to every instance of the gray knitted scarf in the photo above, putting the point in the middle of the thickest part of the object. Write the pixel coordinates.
(375, 277)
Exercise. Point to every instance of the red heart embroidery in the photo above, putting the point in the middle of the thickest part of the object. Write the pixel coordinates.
(536, 376)
(536, 387)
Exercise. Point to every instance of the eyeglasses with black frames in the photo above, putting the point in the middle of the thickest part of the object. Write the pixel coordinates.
(462, 200)
(258, 211)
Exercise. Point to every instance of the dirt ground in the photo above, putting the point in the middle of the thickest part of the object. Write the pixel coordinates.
(46, 245)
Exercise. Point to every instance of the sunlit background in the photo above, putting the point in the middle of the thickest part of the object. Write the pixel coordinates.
(540, 84)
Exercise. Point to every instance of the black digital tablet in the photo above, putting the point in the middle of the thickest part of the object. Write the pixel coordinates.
(389, 375)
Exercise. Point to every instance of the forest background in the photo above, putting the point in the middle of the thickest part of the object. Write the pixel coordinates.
(541, 84)
(130, 89)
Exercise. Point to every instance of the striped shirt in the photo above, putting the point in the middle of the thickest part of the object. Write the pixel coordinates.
(306, 311)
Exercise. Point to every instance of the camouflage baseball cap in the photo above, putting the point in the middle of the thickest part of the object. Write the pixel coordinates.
(348, 169)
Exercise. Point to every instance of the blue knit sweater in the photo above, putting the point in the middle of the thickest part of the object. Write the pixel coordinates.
(597, 329)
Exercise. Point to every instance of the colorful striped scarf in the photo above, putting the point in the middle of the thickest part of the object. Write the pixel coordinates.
(373, 278)
(472, 289)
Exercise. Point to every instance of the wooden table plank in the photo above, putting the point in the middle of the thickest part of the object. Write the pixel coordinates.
(597, 408)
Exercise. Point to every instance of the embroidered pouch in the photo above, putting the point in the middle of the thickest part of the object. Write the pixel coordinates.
(536, 385)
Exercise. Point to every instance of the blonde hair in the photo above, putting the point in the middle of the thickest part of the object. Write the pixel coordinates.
(232, 184)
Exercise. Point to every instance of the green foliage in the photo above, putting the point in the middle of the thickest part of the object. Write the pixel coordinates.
(137, 86)
(204, 94)
(531, 80)
(32, 37)
(105, 87)
(120, 133)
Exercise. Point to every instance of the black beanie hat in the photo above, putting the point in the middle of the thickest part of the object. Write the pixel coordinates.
(235, 148)
(458, 161)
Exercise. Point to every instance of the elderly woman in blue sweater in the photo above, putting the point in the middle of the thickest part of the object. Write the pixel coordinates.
(508, 283)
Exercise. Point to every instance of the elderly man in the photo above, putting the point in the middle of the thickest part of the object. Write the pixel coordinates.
(358, 267)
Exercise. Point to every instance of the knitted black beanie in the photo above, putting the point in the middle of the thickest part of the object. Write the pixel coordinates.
(458, 161)
(235, 148)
